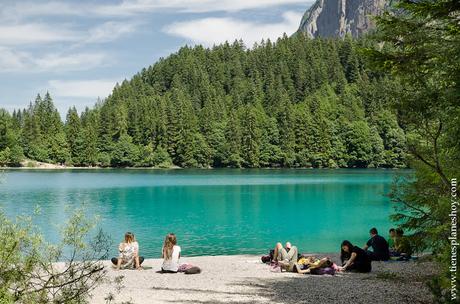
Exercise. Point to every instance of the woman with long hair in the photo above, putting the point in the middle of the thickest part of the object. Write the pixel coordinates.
(354, 258)
(170, 254)
(129, 253)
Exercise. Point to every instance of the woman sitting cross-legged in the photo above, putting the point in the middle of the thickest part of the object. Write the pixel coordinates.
(129, 253)
(286, 257)
(354, 258)
(170, 254)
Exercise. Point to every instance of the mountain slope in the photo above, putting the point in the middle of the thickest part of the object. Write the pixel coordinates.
(298, 102)
(337, 18)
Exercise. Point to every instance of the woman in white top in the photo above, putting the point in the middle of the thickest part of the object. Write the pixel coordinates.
(129, 253)
(170, 254)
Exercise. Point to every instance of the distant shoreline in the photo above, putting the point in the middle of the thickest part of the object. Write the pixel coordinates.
(36, 165)
(33, 165)
(180, 168)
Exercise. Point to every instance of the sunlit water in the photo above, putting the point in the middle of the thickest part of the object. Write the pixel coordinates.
(212, 212)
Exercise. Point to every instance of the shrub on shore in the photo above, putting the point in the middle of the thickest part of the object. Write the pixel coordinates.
(34, 271)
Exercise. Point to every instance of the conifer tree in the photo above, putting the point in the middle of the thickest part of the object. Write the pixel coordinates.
(291, 104)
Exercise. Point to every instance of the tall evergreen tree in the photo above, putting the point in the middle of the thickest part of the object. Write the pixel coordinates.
(74, 135)
(284, 104)
(11, 152)
(421, 47)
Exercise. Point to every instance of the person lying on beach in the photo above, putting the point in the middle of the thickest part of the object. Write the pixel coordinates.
(129, 253)
(285, 257)
(170, 254)
(379, 245)
(306, 265)
(354, 258)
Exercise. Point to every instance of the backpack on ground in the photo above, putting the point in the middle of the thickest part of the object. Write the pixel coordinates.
(193, 270)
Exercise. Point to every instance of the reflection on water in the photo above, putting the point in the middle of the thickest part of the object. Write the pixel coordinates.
(211, 211)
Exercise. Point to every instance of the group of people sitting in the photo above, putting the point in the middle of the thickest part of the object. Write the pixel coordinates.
(397, 246)
(129, 254)
(353, 258)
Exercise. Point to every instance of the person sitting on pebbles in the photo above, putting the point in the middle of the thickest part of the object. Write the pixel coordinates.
(403, 248)
(286, 257)
(170, 254)
(129, 253)
(354, 258)
(379, 245)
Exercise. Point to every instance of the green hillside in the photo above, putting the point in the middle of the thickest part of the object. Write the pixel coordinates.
(298, 102)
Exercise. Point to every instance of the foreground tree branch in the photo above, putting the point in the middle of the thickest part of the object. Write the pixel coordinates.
(35, 272)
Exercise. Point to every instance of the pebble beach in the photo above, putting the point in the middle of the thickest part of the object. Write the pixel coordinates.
(245, 279)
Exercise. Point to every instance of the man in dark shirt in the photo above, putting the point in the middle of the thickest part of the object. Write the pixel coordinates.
(380, 251)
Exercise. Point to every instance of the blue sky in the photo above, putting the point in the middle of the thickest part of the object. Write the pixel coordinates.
(78, 50)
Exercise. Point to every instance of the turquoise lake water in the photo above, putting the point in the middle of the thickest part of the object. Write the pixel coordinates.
(212, 212)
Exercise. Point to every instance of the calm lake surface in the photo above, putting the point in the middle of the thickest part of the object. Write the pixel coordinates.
(212, 212)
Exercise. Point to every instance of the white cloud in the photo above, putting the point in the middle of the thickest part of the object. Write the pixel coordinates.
(16, 41)
(36, 33)
(133, 7)
(12, 60)
(33, 33)
(70, 62)
(129, 7)
(20, 9)
(210, 31)
(82, 88)
(233, 5)
(20, 61)
(109, 31)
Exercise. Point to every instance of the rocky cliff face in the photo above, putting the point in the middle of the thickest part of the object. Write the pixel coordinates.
(337, 18)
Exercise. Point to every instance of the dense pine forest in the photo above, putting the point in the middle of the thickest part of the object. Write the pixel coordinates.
(298, 102)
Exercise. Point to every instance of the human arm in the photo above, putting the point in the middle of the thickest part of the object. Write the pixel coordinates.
(405, 247)
(302, 271)
(368, 244)
(121, 247)
(136, 249)
(349, 262)
(320, 263)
